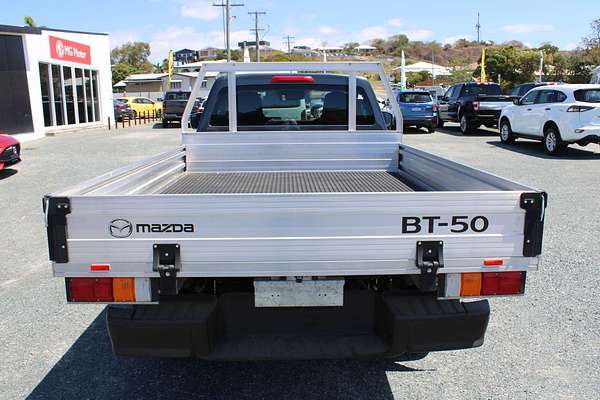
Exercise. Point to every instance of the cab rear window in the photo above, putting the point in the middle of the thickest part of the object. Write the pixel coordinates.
(303, 105)
(481, 89)
(177, 96)
(415, 98)
(588, 95)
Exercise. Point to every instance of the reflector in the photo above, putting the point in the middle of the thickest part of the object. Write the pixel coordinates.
(493, 261)
(89, 289)
(498, 283)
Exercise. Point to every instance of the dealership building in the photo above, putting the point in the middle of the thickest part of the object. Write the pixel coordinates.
(53, 80)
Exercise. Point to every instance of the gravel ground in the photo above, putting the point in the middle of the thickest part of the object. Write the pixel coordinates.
(540, 346)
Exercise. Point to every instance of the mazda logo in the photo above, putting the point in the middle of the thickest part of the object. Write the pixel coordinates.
(120, 228)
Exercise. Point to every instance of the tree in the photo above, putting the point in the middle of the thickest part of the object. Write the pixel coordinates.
(121, 71)
(591, 43)
(350, 46)
(133, 53)
(29, 21)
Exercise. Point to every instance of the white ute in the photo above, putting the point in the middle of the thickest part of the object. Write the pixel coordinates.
(293, 224)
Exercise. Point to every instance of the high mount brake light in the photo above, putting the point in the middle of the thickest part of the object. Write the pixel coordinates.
(579, 108)
(292, 78)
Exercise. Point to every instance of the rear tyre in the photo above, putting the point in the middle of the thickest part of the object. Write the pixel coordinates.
(165, 123)
(552, 142)
(465, 125)
(506, 134)
(440, 123)
(430, 129)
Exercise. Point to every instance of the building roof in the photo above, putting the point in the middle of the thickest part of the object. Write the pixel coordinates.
(365, 47)
(37, 31)
(332, 48)
(120, 84)
(145, 77)
(427, 67)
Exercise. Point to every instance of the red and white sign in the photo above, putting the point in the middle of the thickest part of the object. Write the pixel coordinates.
(62, 49)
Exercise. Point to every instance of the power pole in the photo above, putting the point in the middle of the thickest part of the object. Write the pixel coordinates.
(288, 39)
(227, 6)
(478, 28)
(256, 30)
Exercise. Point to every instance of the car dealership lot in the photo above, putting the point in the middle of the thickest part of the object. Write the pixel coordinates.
(542, 345)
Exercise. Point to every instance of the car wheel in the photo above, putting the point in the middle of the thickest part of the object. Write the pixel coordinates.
(506, 135)
(165, 122)
(465, 125)
(552, 141)
(134, 114)
(440, 123)
(430, 129)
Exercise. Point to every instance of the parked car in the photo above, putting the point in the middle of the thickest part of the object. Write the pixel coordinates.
(122, 109)
(174, 105)
(418, 109)
(522, 89)
(473, 104)
(141, 105)
(10, 151)
(557, 115)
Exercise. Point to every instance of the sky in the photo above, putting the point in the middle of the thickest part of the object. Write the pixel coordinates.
(175, 24)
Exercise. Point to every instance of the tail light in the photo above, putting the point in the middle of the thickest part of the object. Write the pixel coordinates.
(492, 283)
(101, 290)
(475, 106)
(435, 107)
(579, 108)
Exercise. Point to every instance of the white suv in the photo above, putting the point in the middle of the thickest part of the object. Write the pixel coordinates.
(557, 115)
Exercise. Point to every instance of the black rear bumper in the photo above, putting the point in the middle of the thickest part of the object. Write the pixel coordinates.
(229, 327)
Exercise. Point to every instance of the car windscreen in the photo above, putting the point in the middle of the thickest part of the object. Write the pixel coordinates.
(416, 97)
(481, 89)
(292, 104)
(588, 95)
(177, 95)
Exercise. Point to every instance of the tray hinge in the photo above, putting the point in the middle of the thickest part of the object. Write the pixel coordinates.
(534, 205)
(167, 262)
(430, 257)
(55, 212)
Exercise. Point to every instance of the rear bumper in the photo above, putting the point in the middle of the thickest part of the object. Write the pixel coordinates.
(421, 121)
(231, 328)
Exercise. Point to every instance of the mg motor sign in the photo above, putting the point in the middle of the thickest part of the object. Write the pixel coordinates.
(62, 49)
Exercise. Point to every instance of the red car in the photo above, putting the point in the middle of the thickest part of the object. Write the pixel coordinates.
(10, 151)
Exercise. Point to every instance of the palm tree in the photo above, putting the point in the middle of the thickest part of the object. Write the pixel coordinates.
(29, 21)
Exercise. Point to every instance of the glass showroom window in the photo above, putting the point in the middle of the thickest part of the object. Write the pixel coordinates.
(45, 86)
(80, 96)
(88, 95)
(69, 95)
(95, 92)
(57, 87)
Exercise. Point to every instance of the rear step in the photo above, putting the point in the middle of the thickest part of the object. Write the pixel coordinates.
(229, 327)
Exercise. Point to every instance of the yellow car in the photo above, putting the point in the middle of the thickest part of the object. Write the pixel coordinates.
(141, 105)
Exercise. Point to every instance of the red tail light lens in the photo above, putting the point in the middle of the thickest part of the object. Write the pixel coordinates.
(499, 283)
(475, 106)
(436, 107)
(292, 78)
(89, 289)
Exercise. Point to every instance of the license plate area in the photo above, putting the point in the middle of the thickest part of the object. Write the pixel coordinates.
(299, 293)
